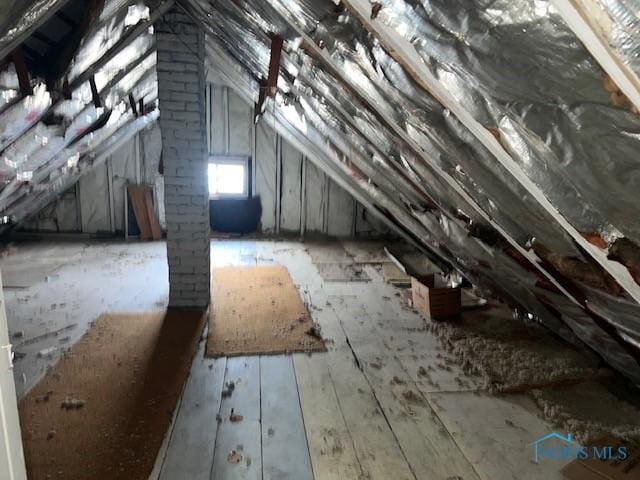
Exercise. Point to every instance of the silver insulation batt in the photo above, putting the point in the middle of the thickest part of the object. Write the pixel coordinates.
(38, 161)
(17, 17)
(619, 20)
(513, 64)
(518, 68)
(350, 128)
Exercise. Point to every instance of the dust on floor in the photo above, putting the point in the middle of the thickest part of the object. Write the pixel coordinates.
(590, 411)
(342, 272)
(571, 388)
(510, 355)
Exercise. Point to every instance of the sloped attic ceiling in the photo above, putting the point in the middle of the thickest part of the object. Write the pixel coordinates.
(485, 131)
(52, 130)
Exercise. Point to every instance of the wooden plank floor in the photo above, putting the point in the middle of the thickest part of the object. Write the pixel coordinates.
(284, 441)
(238, 446)
(365, 409)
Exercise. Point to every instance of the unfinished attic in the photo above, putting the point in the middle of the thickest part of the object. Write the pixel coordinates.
(314, 239)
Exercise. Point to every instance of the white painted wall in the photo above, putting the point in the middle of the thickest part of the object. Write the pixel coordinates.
(12, 466)
(95, 204)
(296, 196)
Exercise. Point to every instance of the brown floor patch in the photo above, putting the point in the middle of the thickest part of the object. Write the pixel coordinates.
(102, 412)
(258, 310)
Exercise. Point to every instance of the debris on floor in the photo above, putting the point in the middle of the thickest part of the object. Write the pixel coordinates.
(45, 397)
(590, 411)
(370, 252)
(228, 389)
(510, 356)
(377, 364)
(70, 403)
(234, 417)
(44, 336)
(234, 457)
(46, 352)
(342, 272)
(314, 332)
(413, 398)
(327, 252)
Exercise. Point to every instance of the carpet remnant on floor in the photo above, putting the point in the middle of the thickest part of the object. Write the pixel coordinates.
(103, 410)
(342, 272)
(512, 356)
(258, 310)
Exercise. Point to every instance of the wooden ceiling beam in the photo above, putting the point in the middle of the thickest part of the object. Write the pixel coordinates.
(581, 16)
(324, 58)
(66, 19)
(22, 71)
(269, 87)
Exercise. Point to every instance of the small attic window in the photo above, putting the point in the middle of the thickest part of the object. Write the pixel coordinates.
(228, 177)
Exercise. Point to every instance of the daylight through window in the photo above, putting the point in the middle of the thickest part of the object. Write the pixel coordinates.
(227, 178)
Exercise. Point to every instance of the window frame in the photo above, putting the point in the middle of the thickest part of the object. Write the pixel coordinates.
(230, 160)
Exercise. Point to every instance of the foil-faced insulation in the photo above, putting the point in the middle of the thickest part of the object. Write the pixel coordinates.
(619, 23)
(37, 158)
(21, 116)
(19, 17)
(522, 73)
(350, 128)
(513, 64)
(107, 32)
(9, 87)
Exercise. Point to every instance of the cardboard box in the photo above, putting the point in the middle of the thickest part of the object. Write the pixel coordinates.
(594, 469)
(434, 299)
